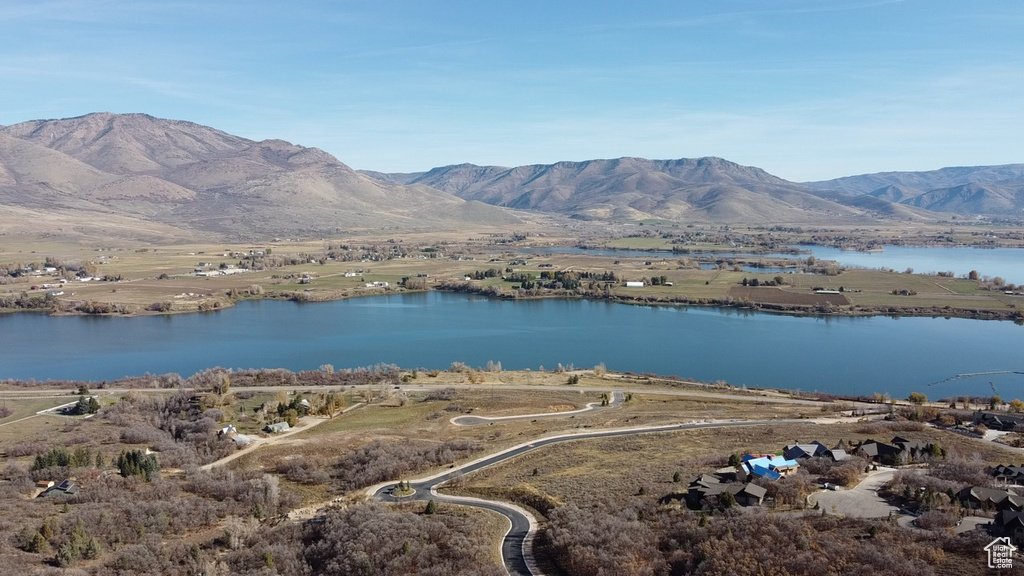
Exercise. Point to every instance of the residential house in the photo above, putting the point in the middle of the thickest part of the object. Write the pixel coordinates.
(797, 451)
(66, 488)
(241, 440)
(712, 486)
(768, 466)
(1009, 474)
(277, 427)
(880, 452)
(976, 497)
(912, 450)
(750, 495)
(1011, 523)
(837, 455)
(1003, 422)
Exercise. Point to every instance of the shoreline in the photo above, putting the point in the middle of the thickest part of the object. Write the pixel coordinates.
(851, 311)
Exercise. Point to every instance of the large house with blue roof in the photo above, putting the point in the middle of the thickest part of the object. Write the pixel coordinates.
(768, 466)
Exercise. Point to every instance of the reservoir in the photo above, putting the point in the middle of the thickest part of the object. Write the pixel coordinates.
(431, 330)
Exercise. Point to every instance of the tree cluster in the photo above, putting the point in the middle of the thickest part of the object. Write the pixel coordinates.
(379, 460)
(138, 463)
(611, 539)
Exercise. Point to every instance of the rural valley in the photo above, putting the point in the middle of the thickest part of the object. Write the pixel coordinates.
(443, 466)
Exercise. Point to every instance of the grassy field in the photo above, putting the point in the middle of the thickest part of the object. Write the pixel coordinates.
(25, 407)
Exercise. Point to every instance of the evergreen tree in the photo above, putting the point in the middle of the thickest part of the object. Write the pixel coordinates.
(138, 463)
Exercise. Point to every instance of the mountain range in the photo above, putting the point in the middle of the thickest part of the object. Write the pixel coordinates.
(151, 178)
(145, 177)
(716, 190)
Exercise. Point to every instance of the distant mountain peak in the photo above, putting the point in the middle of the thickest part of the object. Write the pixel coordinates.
(966, 190)
(707, 188)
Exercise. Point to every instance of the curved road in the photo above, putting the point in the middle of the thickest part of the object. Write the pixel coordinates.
(516, 547)
(617, 398)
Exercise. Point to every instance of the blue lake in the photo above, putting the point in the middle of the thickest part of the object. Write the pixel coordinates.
(432, 330)
(1007, 263)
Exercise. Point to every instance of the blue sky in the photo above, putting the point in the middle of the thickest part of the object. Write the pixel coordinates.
(806, 89)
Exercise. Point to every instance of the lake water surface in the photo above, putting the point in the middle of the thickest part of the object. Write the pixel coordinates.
(432, 330)
(1007, 263)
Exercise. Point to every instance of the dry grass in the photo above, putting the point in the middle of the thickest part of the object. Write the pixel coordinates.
(585, 471)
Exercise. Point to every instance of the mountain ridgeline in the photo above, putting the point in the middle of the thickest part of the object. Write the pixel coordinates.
(716, 190)
(139, 176)
(703, 189)
(966, 190)
(134, 175)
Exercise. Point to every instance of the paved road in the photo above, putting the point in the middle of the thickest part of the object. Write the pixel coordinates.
(517, 542)
(617, 399)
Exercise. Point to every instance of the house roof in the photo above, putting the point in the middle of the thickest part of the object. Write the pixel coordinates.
(874, 448)
(1010, 519)
(984, 495)
(241, 439)
(1008, 471)
(764, 472)
(771, 462)
(755, 490)
(804, 450)
(837, 454)
(66, 488)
